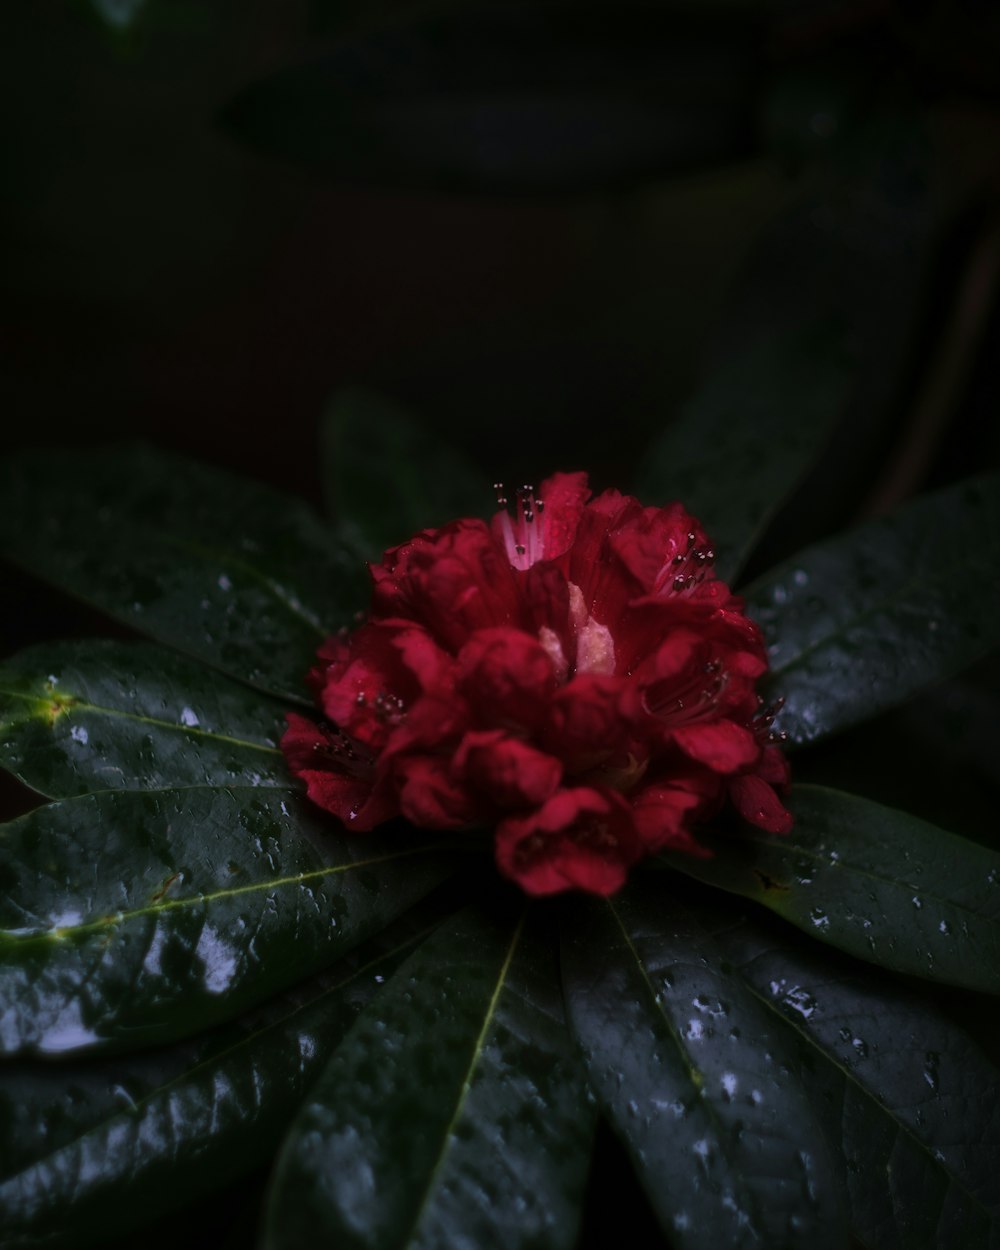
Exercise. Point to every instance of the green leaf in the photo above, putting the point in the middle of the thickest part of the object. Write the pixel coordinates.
(82, 716)
(513, 99)
(453, 1109)
(89, 1151)
(696, 1080)
(388, 477)
(875, 882)
(858, 623)
(853, 249)
(903, 1094)
(745, 439)
(128, 918)
(218, 566)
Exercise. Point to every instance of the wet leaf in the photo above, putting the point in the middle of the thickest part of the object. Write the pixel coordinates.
(91, 1150)
(511, 99)
(904, 1095)
(771, 407)
(699, 1084)
(857, 624)
(218, 566)
(388, 477)
(852, 250)
(875, 882)
(82, 716)
(132, 918)
(453, 1109)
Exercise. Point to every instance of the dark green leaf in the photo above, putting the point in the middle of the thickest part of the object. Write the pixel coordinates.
(514, 99)
(128, 918)
(852, 250)
(454, 1112)
(906, 1097)
(215, 565)
(696, 1080)
(858, 623)
(878, 883)
(747, 436)
(83, 716)
(91, 1150)
(388, 477)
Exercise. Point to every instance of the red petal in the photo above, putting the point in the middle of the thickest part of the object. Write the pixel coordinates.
(313, 755)
(757, 803)
(722, 745)
(507, 676)
(563, 496)
(590, 719)
(664, 814)
(506, 770)
(579, 839)
(429, 794)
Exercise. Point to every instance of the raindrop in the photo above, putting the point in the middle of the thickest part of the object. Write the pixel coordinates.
(800, 577)
(79, 734)
(932, 1059)
(189, 718)
(944, 927)
(819, 918)
(860, 1047)
(917, 902)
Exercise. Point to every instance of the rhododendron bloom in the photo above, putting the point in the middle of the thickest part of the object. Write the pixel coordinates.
(572, 673)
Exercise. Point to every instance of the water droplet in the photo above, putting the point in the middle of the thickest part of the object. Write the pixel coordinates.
(944, 927)
(800, 1001)
(224, 582)
(189, 718)
(729, 1084)
(800, 577)
(917, 902)
(932, 1059)
(819, 918)
(860, 1047)
(79, 734)
(695, 1031)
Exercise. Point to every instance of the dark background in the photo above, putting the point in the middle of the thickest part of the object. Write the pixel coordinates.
(194, 264)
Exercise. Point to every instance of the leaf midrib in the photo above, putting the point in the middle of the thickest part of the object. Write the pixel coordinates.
(466, 1086)
(82, 705)
(12, 939)
(870, 876)
(695, 1076)
(129, 1113)
(851, 1079)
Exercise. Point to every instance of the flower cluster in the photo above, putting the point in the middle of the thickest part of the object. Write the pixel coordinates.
(573, 673)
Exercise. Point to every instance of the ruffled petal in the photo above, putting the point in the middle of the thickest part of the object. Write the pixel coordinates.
(581, 839)
(758, 804)
(431, 796)
(507, 771)
(721, 745)
(507, 676)
(322, 760)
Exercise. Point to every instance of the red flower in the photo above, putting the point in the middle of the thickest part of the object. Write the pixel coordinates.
(572, 673)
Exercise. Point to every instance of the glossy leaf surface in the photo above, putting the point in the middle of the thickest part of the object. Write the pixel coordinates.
(218, 566)
(82, 716)
(453, 1114)
(699, 1084)
(772, 406)
(905, 1096)
(388, 478)
(858, 623)
(129, 918)
(511, 99)
(875, 882)
(89, 1150)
